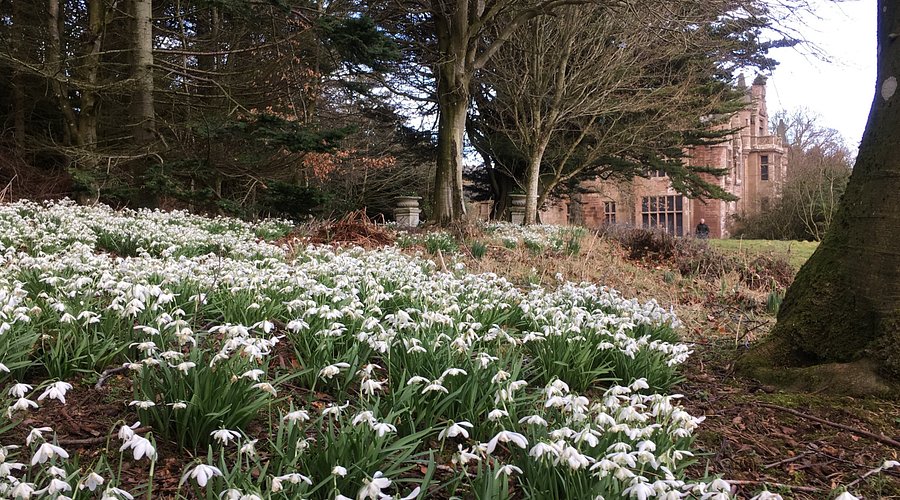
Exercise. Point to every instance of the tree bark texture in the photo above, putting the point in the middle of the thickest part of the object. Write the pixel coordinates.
(144, 115)
(845, 302)
(454, 73)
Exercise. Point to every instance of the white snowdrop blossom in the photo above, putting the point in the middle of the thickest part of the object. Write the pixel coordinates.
(57, 391)
(140, 447)
(35, 434)
(339, 471)
(202, 473)
(47, 451)
(455, 429)
(19, 390)
(92, 481)
(506, 437)
(253, 374)
(266, 387)
(296, 416)
(225, 436)
(372, 487)
(507, 470)
(331, 371)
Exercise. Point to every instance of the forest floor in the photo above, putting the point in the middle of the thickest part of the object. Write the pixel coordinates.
(801, 446)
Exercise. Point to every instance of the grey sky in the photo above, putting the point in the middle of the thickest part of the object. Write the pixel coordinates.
(840, 88)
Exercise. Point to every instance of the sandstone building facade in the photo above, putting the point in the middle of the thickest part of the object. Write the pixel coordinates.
(753, 158)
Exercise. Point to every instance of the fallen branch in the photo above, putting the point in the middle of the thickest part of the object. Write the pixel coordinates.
(786, 460)
(877, 437)
(805, 489)
(96, 440)
(109, 373)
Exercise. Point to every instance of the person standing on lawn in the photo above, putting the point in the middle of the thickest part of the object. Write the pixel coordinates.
(703, 230)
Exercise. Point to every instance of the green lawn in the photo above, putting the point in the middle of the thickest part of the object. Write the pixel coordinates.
(797, 252)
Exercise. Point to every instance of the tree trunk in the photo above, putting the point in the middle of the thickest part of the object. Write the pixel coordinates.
(454, 75)
(142, 103)
(18, 77)
(90, 69)
(54, 68)
(844, 305)
(532, 182)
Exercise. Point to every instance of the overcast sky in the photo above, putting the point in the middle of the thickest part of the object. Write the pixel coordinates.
(841, 88)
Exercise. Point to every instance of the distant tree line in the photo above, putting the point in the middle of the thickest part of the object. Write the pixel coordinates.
(299, 107)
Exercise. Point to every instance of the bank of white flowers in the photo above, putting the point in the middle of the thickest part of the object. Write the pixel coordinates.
(324, 374)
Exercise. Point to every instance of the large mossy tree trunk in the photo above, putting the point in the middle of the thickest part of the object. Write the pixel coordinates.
(844, 306)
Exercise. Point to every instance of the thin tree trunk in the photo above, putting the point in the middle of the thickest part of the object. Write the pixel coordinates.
(54, 67)
(90, 69)
(532, 182)
(845, 302)
(144, 115)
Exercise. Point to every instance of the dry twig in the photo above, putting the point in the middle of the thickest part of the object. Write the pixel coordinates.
(877, 437)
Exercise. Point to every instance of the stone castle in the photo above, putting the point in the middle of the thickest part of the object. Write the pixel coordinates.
(755, 168)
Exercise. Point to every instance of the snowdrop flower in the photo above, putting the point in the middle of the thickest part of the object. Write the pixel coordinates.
(452, 372)
(496, 414)
(541, 449)
(57, 390)
(266, 387)
(19, 390)
(370, 386)
(639, 384)
(91, 481)
(533, 420)
(147, 348)
(293, 478)
(56, 471)
(3, 368)
(506, 437)
(382, 428)
(249, 448)
(334, 410)
(464, 456)
(184, 367)
(767, 495)
(202, 473)
(372, 487)
(363, 417)
(23, 491)
(339, 471)
(47, 451)
(142, 404)
(508, 470)
(126, 432)
(225, 436)
(500, 377)
(178, 406)
(296, 416)
(331, 371)
(455, 429)
(417, 380)
(846, 496)
(639, 489)
(140, 447)
(113, 493)
(55, 487)
(36, 433)
(435, 386)
(253, 374)
(20, 404)
(719, 484)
